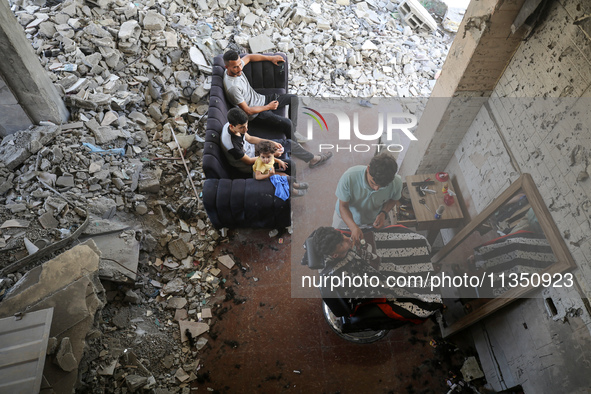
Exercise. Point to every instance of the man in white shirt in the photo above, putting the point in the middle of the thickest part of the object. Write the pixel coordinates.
(259, 108)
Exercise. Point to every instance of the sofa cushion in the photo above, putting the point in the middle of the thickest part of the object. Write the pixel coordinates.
(244, 203)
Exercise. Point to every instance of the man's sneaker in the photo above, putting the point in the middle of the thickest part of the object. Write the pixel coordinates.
(300, 138)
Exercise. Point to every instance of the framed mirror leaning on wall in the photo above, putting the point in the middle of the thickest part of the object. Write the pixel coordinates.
(511, 250)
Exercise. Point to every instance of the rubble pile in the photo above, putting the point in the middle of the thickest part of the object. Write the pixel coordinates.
(54, 179)
(154, 58)
(136, 78)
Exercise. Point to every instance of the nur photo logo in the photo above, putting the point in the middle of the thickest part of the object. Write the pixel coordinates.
(315, 117)
(388, 123)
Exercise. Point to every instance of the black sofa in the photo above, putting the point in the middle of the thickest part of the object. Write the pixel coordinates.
(233, 199)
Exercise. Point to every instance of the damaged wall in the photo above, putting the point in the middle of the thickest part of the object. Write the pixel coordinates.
(549, 138)
(12, 115)
(476, 60)
(537, 121)
(25, 78)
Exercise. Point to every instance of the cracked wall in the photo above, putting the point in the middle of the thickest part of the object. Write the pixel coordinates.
(537, 121)
(547, 136)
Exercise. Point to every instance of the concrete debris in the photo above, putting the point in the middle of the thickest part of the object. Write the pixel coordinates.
(452, 19)
(65, 357)
(131, 74)
(69, 283)
(117, 61)
(18, 147)
(226, 261)
(195, 328)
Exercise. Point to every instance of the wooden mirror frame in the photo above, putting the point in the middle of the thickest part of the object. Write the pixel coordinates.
(564, 259)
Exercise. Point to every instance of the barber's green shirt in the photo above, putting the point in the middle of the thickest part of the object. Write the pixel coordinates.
(364, 203)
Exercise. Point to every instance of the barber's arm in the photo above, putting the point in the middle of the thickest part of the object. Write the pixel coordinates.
(347, 216)
(383, 214)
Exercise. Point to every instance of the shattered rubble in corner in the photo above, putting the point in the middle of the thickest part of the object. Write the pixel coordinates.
(111, 186)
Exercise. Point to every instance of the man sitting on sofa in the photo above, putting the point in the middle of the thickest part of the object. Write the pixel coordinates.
(239, 148)
(259, 108)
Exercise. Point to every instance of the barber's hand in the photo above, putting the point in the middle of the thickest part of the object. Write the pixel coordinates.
(273, 105)
(380, 220)
(356, 235)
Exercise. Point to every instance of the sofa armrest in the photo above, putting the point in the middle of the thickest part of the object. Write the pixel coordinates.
(244, 203)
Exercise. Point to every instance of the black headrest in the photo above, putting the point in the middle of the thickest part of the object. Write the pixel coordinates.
(312, 258)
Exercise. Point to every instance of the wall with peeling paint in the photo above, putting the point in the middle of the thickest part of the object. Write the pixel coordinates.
(538, 121)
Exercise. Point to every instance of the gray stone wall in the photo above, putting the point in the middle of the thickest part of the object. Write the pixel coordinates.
(537, 121)
(12, 116)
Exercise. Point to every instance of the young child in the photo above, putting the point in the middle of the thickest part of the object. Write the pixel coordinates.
(263, 166)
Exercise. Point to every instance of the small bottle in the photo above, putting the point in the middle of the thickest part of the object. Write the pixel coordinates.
(439, 211)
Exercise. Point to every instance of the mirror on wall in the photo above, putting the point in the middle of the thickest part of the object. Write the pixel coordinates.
(509, 251)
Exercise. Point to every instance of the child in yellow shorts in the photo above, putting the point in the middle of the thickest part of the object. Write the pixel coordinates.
(263, 166)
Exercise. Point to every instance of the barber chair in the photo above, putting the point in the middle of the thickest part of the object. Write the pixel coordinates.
(355, 320)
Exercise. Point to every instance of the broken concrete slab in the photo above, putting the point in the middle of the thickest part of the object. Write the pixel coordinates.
(260, 44)
(195, 328)
(181, 314)
(119, 255)
(178, 248)
(69, 283)
(227, 261)
(206, 313)
(176, 303)
(65, 358)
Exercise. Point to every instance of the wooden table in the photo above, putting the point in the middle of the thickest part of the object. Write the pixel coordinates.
(452, 215)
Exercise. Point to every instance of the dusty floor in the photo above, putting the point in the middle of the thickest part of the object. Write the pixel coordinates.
(265, 341)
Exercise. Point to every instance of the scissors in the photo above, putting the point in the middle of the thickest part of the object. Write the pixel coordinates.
(423, 202)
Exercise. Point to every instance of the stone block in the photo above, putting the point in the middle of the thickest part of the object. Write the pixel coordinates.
(261, 43)
(416, 16)
(249, 20)
(178, 248)
(150, 182)
(65, 358)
